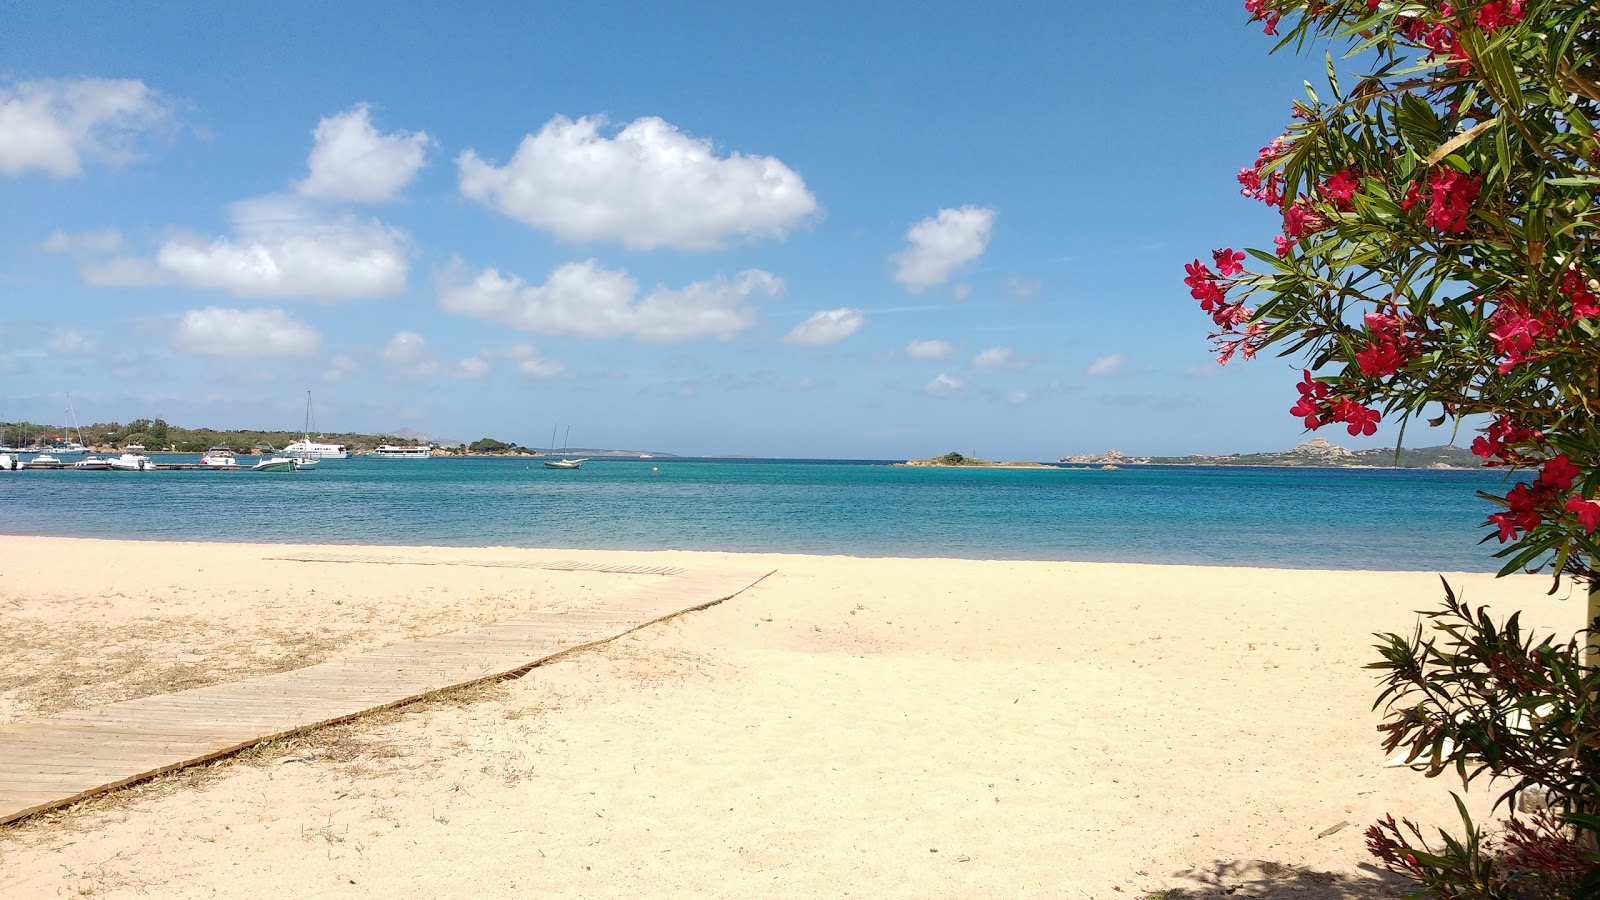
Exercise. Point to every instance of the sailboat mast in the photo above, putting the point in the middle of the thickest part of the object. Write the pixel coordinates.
(553, 439)
(566, 441)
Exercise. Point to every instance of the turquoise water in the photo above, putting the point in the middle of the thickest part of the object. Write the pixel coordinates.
(1325, 518)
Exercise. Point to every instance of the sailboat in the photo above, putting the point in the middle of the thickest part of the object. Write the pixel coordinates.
(66, 447)
(308, 451)
(563, 462)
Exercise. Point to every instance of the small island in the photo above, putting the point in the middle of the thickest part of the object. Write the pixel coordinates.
(954, 460)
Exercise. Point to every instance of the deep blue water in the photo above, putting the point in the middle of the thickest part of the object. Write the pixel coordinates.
(1304, 518)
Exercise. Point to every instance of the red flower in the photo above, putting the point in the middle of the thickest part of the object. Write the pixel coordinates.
(1308, 407)
(1515, 332)
(1413, 196)
(1584, 303)
(1359, 419)
(1588, 512)
(1521, 514)
(1498, 14)
(1558, 474)
(1342, 186)
(1379, 360)
(1498, 438)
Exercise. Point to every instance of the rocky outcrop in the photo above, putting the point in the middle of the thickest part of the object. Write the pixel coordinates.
(1110, 457)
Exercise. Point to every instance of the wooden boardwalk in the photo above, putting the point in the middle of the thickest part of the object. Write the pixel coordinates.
(53, 761)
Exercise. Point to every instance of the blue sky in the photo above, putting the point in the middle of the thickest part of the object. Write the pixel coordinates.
(849, 230)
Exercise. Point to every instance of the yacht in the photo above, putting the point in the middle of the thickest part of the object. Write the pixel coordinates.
(391, 451)
(130, 461)
(9, 462)
(43, 461)
(219, 457)
(276, 464)
(94, 463)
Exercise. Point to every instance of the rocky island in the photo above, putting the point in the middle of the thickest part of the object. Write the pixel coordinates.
(956, 460)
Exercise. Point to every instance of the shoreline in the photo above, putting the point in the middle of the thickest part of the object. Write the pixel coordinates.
(905, 726)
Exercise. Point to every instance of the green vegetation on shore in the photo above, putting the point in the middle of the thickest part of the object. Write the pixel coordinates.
(157, 435)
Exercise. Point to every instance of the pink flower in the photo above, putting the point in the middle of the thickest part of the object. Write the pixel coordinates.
(1379, 360)
(1228, 262)
(1498, 14)
(1584, 303)
(1342, 186)
(1358, 418)
(1309, 407)
(1587, 511)
(1450, 201)
(1501, 435)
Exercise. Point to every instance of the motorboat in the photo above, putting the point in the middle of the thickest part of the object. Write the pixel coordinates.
(93, 463)
(219, 457)
(9, 462)
(43, 461)
(276, 464)
(131, 462)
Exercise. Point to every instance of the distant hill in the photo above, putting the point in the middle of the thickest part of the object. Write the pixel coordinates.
(1315, 452)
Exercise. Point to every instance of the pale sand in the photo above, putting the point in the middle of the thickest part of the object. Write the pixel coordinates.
(860, 727)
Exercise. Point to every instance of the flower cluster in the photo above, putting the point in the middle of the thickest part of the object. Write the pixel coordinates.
(1236, 334)
(1258, 184)
(1317, 408)
(1527, 505)
(1516, 330)
(1390, 348)
(1580, 292)
(1450, 197)
(1497, 14)
(1498, 443)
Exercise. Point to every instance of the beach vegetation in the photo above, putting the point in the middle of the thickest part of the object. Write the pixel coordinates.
(1438, 260)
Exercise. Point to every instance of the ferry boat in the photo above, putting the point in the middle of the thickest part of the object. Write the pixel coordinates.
(391, 451)
(219, 457)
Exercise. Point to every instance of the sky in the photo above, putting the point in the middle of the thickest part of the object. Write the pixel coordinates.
(836, 230)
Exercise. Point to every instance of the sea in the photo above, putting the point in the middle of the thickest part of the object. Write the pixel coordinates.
(1384, 519)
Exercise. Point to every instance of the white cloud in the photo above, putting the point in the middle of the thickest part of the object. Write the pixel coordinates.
(539, 367)
(281, 248)
(930, 349)
(942, 385)
(1114, 364)
(826, 327)
(54, 125)
(998, 358)
(353, 161)
(942, 244)
(648, 186)
(587, 300)
(1018, 396)
(247, 334)
(473, 367)
(1203, 371)
(339, 367)
(960, 291)
(69, 342)
(405, 348)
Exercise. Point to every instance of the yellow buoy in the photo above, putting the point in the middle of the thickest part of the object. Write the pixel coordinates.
(655, 468)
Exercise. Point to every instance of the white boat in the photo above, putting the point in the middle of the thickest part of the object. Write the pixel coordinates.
(136, 449)
(275, 464)
(43, 461)
(9, 462)
(307, 449)
(563, 462)
(392, 451)
(66, 447)
(131, 462)
(219, 457)
(94, 463)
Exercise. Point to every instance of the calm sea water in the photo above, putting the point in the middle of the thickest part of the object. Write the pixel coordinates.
(1303, 518)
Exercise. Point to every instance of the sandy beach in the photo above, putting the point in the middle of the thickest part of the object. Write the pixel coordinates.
(847, 727)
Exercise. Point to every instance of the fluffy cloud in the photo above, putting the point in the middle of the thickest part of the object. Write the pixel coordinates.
(826, 327)
(998, 358)
(930, 350)
(648, 186)
(339, 367)
(1020, 289)
(473, 367)
(280, 248)
(244, 334)
(354, 161)
(69, 342)
(588, 300)
(1114, 364)
(54, 125)
(941, 244)
(407, 354)
(942, 385)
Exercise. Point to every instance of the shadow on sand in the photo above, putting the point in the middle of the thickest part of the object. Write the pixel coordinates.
(1257, 880)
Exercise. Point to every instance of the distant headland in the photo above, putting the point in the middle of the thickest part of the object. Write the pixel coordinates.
(1317, 452)
(956, 460)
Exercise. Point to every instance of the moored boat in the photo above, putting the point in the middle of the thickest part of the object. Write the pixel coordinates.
(95, 463)
(219, 457)
(43, 461)
(130, 462)
(392, 451)
(275, 464)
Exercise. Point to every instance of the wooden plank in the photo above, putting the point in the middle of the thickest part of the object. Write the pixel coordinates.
(50, 762)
